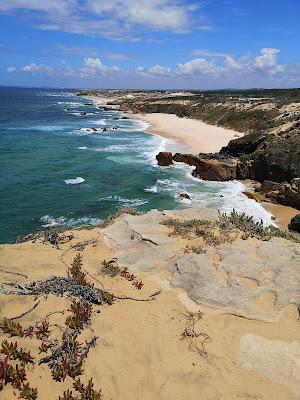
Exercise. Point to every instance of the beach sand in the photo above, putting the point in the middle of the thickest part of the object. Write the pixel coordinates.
(192, 135)
(198, 136)
(283, 214)
(140, 353)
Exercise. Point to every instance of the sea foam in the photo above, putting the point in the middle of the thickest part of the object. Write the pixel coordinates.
(74, 181)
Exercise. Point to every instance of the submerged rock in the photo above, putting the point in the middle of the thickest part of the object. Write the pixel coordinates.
(184, 196)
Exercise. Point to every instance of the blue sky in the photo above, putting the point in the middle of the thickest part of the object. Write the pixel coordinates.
(150, 43)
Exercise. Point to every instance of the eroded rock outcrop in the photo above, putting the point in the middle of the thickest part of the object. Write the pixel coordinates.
(214, 170)
(283, 193)
(276, 158)
(270, 158)
(244, 145)
(208, 169)
(252, 278)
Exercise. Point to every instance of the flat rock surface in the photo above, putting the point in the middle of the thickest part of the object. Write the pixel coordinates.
(140, 242)
(250, 278)
(277, 360)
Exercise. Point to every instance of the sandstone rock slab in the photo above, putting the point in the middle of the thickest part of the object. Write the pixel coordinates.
(277, 360)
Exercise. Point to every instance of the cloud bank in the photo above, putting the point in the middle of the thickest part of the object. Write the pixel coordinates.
(222, 71)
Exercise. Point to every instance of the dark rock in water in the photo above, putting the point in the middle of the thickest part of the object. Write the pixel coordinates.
(115, 127)
(83, 113)
(88, 104)
(209, 169)
(244, 145)
(94, 129)
(164, 158)
(294, 225)
(104, 129)
(116, 118)
(184, 196)
(124, 117)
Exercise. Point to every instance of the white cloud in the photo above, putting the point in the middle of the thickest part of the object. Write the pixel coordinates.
(11, 69)
(267, 58)
(37, 68)
(55, 7)
(261, 70)
(116, 19)
(94, 66)
(208, 53)
(160, 14)
(196, 67)
(267, 61)
(155, 70)
(231, 63)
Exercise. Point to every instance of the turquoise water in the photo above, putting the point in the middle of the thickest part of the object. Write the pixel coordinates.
(55, 170)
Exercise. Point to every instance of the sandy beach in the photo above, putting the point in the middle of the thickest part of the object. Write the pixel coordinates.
(198, 136)
(195, 135)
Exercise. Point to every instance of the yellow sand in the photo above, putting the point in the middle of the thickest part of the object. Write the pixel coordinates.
(140, 353)
(197, 135)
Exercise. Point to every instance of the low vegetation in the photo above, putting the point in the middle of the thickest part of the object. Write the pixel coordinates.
(64, 353)
(65, 356)
(226, 229)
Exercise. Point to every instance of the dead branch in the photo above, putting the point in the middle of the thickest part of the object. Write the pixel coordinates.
(149, 298)
(26, 312)
(13, 273)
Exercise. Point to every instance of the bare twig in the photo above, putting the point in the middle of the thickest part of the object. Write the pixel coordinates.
(13, 273)
(26, 312)
(149, 298)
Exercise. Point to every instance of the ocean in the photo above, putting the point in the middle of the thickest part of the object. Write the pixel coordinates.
(59, 166)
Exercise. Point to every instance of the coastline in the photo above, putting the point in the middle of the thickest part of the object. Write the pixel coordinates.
(196, 136)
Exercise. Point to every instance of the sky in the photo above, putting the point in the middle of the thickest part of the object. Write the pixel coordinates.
(150, 44)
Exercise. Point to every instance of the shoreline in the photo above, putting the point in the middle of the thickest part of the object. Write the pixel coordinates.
(169, 126)
(195, 135)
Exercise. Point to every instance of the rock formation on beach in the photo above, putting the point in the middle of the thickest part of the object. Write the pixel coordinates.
(271, 159)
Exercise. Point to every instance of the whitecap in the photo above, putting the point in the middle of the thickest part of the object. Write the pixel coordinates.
(82, 148)
(48, 221)
(124, 201)
(151, 189)
(101, 122)
(75, 181)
